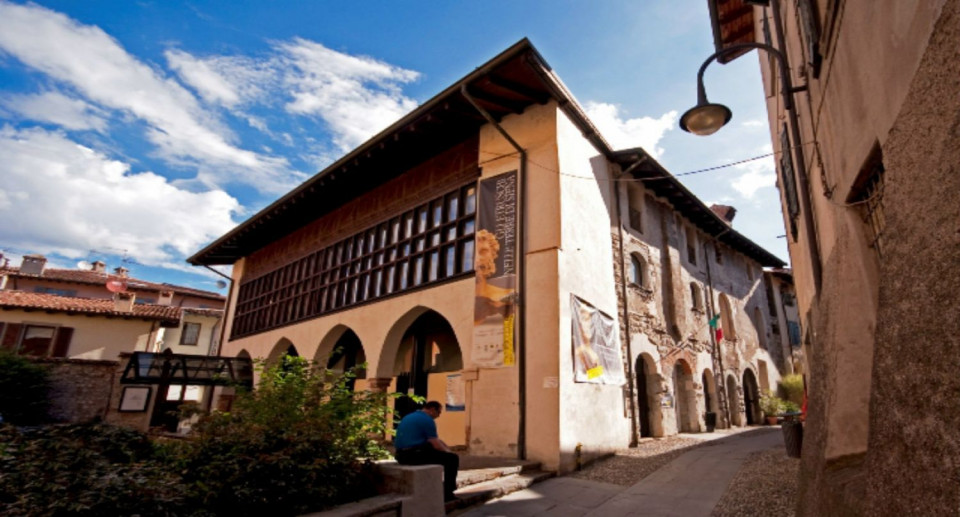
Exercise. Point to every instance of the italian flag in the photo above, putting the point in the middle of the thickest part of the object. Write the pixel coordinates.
(715, 325)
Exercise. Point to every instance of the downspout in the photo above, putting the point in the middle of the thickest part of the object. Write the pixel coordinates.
(521, 300)
(716, 352)
(226, 307)
(626, 308)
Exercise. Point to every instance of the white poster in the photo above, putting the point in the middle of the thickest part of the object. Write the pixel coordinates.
(596, 345)
(456, 401)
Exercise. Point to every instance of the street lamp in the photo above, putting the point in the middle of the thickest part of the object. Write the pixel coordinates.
(707, 118)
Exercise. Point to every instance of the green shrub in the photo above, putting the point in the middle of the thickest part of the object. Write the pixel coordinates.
(791, 388)
(87, 469)
(24, 386)
(301, 441)
(770, 404)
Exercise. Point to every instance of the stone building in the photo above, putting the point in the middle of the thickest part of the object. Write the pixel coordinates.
(488, 250)
(871, 200)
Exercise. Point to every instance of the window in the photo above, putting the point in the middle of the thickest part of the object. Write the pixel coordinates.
(425, 244)
(58, 292)
(788, 182)
(696, 295)
(867, 194)
(190, 335)
(759, 326)
(691, 246)
(36, 340)
(637, 271)
(635, 207)
(811, 34)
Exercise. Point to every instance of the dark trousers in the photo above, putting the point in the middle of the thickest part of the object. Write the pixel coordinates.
(426, 455)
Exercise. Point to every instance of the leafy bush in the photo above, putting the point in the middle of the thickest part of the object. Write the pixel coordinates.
(302, 441)
(24, 386)
(85, 469)
(770, 404)
(791, 388)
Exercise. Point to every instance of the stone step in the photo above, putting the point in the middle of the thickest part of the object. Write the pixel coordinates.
(475, 470)
(497, 487)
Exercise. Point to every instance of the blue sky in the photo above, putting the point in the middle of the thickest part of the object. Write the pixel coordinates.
(141, 131)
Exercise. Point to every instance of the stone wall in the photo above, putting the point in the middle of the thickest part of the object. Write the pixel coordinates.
(80, 390)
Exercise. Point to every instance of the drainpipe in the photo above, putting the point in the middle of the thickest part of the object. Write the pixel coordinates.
(521, 305)
(626, 308)
(716, 352)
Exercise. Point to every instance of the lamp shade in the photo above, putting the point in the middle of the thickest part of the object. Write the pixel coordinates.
(705, 119)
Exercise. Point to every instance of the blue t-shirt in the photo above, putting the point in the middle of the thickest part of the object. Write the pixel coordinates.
(414, 430)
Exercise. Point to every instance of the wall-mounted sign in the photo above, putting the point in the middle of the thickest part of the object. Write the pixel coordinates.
(456, 401)
(666, 401)
(134, 399)
(596, 345)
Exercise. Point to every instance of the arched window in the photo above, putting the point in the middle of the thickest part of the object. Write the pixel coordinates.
(761, 329)
(697, 296)
(727, 318)
(638, 270)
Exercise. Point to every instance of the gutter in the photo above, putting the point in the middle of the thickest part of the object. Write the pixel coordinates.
(521, 300)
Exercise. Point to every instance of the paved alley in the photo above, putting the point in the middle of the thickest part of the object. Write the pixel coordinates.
(689, 486)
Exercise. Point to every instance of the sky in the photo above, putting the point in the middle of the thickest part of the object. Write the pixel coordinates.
(138, 132)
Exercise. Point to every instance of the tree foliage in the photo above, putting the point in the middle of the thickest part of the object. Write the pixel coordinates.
(24, 386)
(302, 441)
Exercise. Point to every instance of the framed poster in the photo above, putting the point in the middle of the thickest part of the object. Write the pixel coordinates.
(135, 399)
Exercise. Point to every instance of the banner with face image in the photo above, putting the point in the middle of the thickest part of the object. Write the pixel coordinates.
(596, 345)
(495, 264)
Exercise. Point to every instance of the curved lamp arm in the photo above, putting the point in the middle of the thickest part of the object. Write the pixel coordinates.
(787, 85)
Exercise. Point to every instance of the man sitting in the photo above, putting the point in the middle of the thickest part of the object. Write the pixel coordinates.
(417, 444)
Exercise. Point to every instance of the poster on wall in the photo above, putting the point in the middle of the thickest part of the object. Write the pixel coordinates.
(596, 345)
(456, 401)
(495, 261)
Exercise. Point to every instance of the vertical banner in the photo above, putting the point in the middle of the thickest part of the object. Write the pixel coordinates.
(596, 345)
(495, 266)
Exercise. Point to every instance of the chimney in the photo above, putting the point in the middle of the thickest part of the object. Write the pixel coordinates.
(99, 267)
(727, 213)
(33, 265)
(123, 302)
(166, 298)
(121, 271)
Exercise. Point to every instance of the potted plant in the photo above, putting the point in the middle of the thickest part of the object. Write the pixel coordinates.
(771, 405)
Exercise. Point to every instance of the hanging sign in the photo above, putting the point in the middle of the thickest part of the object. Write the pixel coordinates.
(495, 262)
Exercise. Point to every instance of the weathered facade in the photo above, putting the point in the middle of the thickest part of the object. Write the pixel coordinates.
(383, 256)
(871, 196)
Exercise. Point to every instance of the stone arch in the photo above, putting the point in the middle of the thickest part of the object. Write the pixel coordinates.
(710, 400)
(751, 398)
(727, 318)
(386, 365)
(340, 350)
(648, 396)
(420, 344)
(733, 400)
(283, 348)
(685, 398)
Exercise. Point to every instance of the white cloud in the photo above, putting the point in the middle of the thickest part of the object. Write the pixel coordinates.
(356, 96)
(66, 198)
(226, 80)
(644, 132)
(759, 174)
(56, 108)
(95, 64)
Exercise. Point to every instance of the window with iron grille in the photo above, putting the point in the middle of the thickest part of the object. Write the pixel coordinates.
(867, 195)
(424, 245)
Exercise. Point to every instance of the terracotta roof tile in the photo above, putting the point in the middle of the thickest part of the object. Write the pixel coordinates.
(96, 278)
(105, 306)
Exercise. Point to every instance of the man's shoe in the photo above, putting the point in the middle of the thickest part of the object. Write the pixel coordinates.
(449, 497)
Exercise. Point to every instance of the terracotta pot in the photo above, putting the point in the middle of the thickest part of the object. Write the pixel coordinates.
(771, 420)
